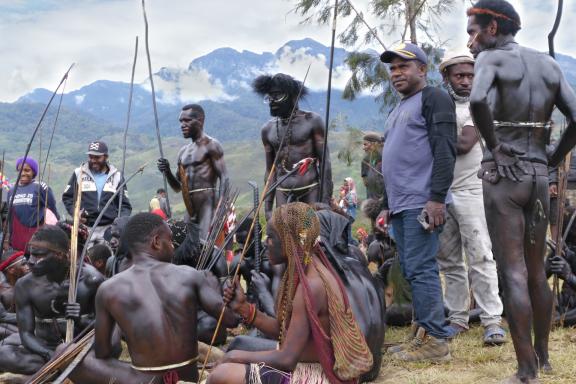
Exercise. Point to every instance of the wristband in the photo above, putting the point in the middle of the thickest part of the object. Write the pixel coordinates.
(249, 320)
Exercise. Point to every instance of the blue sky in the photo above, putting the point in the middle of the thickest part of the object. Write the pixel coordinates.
(40, 38)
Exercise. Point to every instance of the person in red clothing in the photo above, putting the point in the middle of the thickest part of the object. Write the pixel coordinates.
(33, 203)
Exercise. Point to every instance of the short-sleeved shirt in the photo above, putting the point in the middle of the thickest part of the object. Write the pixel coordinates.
(467, 165)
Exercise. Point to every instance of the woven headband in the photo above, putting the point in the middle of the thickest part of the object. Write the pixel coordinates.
(9, 262)
(484, 11)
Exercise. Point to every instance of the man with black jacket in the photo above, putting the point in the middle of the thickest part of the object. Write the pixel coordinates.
(418, 164)
(100, 181)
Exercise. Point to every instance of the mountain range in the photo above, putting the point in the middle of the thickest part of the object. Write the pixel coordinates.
(220, 82)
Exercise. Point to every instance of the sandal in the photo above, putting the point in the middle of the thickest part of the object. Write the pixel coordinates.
(455, 330)
(494, 335)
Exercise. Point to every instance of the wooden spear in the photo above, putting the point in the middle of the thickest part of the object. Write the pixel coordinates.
(74, 256)
(157, 124)
(251, 230)
(128, 120)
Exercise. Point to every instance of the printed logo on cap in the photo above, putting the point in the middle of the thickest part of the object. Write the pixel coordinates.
(94, 146)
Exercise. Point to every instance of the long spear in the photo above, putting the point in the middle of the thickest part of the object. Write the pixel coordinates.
(15, 187)
(562, 168)
(128, 120)
(169, 213)
(328, 96)
(74, 256)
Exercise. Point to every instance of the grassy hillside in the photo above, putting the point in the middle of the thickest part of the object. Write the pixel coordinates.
(245, 161)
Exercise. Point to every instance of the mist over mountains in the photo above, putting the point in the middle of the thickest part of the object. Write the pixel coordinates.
(220, 81)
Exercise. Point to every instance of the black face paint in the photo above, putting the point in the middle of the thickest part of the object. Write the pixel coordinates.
(53, 267)
(280, 103)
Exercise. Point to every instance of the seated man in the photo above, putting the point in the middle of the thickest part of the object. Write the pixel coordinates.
(312, 304)
(155, 305)
(12, 267)
(41, 302)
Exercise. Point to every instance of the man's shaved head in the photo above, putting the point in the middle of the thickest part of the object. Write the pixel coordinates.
(194, 107)
(139, 230)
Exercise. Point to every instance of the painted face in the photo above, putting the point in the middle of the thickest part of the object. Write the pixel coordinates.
(460, 77)
(280, 103)
(407, 75)
(480, 38)
(43, 261)
(191, 124)
(274, 246)
(97, 163)
(27, 174)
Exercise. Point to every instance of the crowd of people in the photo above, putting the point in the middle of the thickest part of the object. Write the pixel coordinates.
(457, 194)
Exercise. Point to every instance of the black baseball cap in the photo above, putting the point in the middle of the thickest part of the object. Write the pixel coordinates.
(406, 51)
(97, 148)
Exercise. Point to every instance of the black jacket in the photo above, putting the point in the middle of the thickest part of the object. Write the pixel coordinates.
(90, 202)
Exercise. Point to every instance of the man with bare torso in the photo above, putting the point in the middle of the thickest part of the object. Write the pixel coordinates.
(12, 267)
(41, 303)
(200, 166)
(154, 303)
(514, 92)
(291, 136)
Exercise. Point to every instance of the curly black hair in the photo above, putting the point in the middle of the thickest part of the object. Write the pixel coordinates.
(54, 235)
(262, 85)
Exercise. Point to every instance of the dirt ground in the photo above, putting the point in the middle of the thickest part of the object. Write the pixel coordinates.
(471, 362)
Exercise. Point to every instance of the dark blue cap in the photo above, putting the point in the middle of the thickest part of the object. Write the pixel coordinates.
(406, 51)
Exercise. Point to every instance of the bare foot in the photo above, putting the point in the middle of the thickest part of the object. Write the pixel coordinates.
(516, 380)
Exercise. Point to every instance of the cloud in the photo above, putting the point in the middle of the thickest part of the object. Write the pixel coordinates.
(38, 44)
(296, 62)
(40, 39)
(188, 86)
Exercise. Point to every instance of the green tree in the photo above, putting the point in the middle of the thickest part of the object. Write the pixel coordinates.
(405, 19)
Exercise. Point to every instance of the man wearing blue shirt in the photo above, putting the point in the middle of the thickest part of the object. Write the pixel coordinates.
(418, 165)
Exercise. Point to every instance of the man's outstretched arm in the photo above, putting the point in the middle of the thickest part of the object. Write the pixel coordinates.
(296, 338)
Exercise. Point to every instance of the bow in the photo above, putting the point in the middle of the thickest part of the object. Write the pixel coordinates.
(15, 188)
(552, 33)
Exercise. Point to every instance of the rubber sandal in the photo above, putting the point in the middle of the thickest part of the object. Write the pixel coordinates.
(494, 335)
